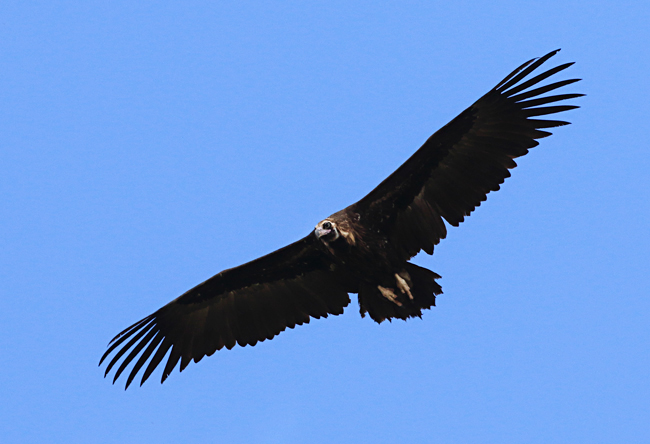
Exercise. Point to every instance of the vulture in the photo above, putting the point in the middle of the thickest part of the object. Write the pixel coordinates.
(363, 249)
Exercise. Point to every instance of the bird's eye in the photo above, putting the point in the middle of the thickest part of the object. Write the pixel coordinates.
(327, 225)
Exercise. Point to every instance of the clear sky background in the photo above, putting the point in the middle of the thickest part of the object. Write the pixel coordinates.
(145, 146)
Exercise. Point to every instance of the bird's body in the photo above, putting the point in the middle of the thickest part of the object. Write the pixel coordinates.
(364, 248)
(388, 285)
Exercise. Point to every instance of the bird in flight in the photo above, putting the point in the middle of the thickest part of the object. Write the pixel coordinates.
(363, 249)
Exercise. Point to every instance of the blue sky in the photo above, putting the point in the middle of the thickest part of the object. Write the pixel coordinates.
(148, 145)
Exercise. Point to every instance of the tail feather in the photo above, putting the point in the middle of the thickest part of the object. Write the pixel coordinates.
(423, 288)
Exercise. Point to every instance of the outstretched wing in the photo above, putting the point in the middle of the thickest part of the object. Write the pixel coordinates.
(242, 305)
(455, 169)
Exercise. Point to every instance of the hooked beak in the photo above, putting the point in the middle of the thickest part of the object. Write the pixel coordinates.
(320, 232)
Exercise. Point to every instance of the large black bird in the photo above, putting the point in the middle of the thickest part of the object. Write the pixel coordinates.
(363, 249)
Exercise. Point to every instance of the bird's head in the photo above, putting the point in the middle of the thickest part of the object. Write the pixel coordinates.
(326, 231)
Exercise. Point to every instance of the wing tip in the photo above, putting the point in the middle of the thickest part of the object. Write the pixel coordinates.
(519, 74)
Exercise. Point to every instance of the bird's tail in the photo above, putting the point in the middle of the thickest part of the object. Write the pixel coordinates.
(409, 292)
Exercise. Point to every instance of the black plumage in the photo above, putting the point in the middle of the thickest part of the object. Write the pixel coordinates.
(363, 249)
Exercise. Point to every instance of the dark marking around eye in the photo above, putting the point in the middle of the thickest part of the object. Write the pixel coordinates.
(327, 225)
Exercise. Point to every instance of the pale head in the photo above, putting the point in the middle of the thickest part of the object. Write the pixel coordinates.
(326, 231)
